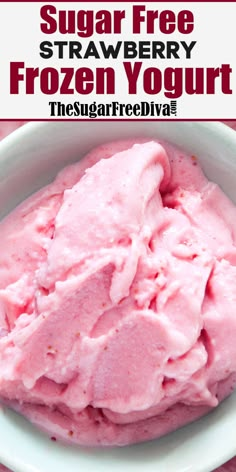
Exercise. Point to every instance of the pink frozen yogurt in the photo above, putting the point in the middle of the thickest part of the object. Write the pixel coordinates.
(117, 297)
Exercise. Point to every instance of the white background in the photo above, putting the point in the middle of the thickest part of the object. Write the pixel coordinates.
(214, 31)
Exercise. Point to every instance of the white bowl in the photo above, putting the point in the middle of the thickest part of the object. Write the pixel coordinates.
(30, 158)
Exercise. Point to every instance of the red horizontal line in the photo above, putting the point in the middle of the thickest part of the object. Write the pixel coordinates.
(116, 119)
(118, 1)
